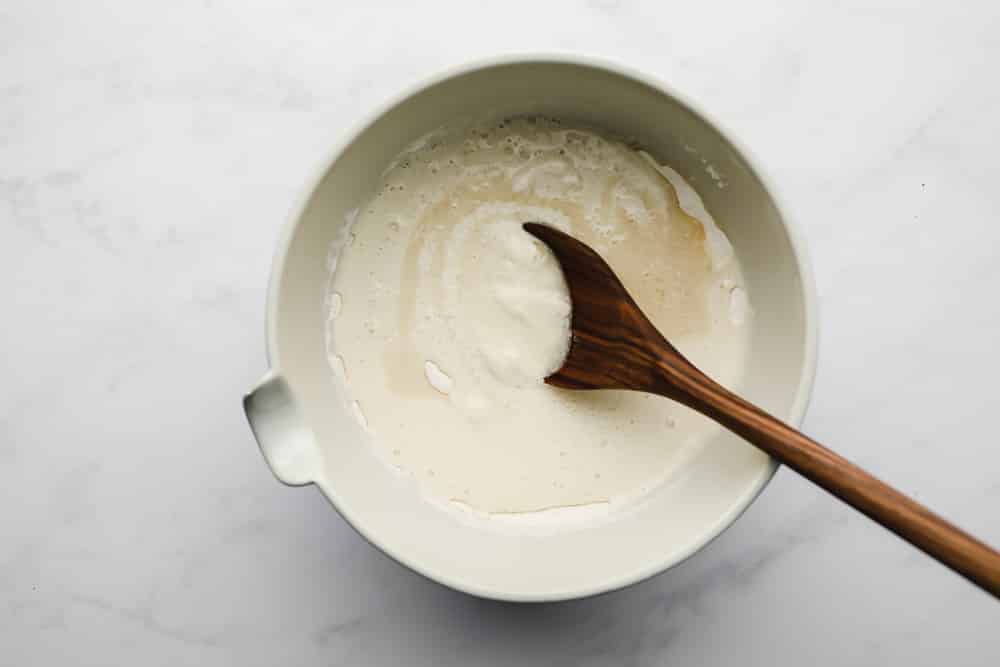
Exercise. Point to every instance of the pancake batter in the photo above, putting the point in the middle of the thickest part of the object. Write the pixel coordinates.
(445, 316)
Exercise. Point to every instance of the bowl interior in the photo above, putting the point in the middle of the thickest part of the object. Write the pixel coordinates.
(670, 523)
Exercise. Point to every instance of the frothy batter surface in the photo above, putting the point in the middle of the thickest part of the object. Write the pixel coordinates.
(445, 315)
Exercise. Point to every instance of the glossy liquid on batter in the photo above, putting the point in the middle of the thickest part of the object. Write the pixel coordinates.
(445, 316)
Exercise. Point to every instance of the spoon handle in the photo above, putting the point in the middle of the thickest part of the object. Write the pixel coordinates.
(938, 538)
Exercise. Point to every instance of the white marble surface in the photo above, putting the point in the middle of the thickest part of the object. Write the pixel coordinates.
(148, 153)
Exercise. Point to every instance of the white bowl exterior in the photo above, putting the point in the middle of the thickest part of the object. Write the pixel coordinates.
(676, 519)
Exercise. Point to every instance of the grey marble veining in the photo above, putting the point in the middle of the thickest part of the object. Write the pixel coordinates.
(149, 152)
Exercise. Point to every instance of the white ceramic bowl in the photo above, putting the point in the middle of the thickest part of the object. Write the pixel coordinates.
(307, 436)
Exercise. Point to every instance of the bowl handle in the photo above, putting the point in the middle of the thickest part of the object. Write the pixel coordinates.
(288, 445)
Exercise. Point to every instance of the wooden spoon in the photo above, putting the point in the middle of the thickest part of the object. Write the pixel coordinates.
(614, 346)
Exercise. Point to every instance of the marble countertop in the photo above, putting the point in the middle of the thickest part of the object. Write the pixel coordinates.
(148, 154)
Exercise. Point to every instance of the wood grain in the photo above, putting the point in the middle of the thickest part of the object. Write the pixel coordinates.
(614, 346)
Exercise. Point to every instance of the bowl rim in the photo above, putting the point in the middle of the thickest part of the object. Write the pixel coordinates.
(803, 392)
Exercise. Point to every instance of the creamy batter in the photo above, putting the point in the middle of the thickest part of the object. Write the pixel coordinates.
(445, 316)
